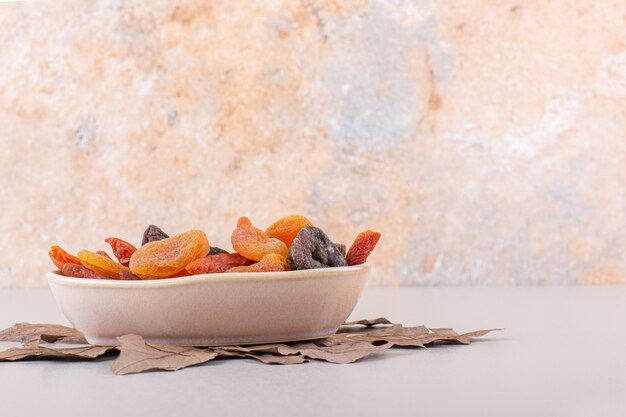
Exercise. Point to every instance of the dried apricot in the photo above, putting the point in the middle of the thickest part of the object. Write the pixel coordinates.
(363, 245)
(287, 228)
(79, 271)
(270, 263)
(152, 234)
(253, 243)
(121, 249)
(101, 265)
(60, 257)
(166, 257)
(313, 249)
(212, 264)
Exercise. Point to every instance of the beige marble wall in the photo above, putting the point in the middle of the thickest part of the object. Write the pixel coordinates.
(485, 139)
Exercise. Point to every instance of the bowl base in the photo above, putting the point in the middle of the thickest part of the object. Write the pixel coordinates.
(208, 341)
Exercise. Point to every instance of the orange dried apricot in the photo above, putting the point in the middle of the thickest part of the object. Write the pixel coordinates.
(60, 257)
(101, 265)
(363, 245)
(169, 256)
(212, 264)
(121, 249)
(287, 228)
(254, 243)
(270, 263)
(79, 271)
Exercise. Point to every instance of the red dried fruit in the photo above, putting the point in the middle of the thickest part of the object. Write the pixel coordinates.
(101, 265)
(79, 271)
(167, 257)
(128, 276)
(103, 253)
(363, 245)
(212, 264)
(253, 243)
(287, 228)
(270, 263)
(60, 257)
(121, 249)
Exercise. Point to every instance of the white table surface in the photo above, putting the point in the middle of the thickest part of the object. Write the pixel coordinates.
(563, 353)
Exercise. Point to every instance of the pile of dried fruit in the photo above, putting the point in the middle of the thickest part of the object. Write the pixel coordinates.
(290, 243)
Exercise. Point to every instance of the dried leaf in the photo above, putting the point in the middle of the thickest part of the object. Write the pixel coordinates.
(398, 335)
(35, 349)
(265, 358)
(341, 353)
(137, 356)
(346, 353)
(354, 341)
(368, 323)
(25, 332)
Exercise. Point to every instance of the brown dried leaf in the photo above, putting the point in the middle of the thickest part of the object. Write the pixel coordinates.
(339, 353)
(25, 332)
(368, 323)
(355, 341)
(397, 335)
(35, 349)
(343, 353)
(265, 358)
(138, 356)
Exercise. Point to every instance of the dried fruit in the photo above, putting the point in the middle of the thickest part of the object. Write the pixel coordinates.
(79, 271)
(363, 245)
(101, 265)
(287, 228)
(342, 248)
(152, 234)
(128, 276)
(103, 253)
(121, 249)
(313, 249)
(253, 243)
(216, 251)
(166, 257)
(60, 257)
(212, 264)
(270, 263)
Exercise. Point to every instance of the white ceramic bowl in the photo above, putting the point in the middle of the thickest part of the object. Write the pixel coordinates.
(212, 309)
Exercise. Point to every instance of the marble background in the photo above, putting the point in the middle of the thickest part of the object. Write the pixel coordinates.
(485, 139)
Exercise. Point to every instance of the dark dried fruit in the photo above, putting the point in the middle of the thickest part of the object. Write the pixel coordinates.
(79, 271)
(152, 234)
(363, 245)
(216, 251)
(342, 248)
(313, 249)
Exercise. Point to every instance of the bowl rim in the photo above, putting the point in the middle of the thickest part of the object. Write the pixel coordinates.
(55, 277)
